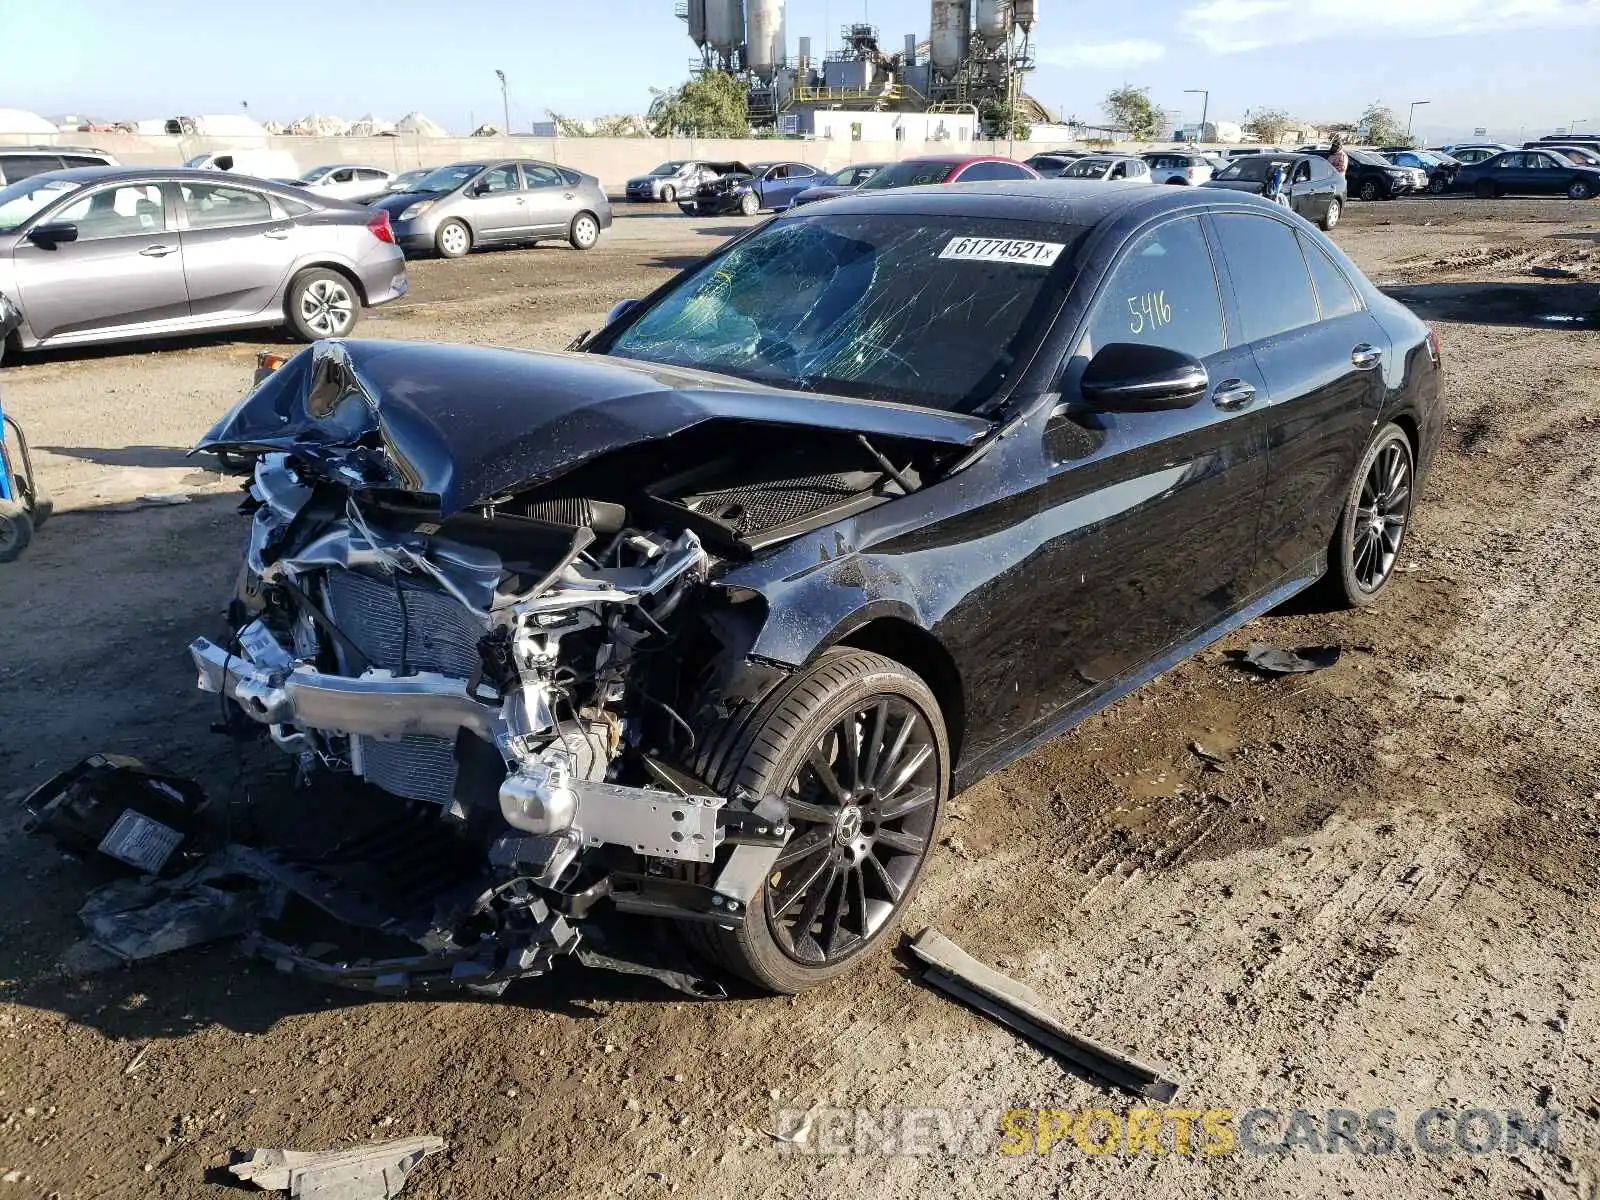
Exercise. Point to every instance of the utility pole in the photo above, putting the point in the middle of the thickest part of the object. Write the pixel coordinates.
(1205, 108)
(1415, 104)
(505, 104)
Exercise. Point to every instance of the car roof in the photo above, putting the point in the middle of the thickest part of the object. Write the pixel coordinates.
(88, 175)
(963, 160)
(1066, 201)
(54, 150)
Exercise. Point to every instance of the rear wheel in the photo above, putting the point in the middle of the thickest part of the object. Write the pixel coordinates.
(1369, 189)
(1331, 217)
(1372, 528)
(16, 530)
(1580, 190)
(585, 231)
(857, 745)
(453, 239)
(1486, 190)
(322, 304)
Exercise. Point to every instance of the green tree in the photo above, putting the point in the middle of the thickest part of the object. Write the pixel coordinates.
(1129, 108)
(1266, 124)
(1380, 127)
(714, 105)
(993, 114)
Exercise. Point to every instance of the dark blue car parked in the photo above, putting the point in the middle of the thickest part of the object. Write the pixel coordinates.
(752, 188)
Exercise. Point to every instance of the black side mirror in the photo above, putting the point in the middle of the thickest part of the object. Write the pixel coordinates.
(53, 234)
(1124, 377)
(481, 188)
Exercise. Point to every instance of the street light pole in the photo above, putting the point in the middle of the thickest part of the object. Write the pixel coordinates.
(1205, 108)
(1414, 106)
(505, 104)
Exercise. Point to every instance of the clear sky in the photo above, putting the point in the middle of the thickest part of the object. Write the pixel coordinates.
(1504, 64)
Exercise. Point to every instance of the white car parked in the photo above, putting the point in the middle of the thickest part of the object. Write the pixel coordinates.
(1110, 168)
(1179, 167)
(346, 182)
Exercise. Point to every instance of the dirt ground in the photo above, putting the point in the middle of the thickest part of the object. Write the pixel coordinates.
(1384, 896)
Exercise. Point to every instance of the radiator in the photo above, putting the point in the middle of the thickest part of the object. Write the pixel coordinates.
(434, 632)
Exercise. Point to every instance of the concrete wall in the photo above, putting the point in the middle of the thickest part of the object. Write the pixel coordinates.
(611, 160)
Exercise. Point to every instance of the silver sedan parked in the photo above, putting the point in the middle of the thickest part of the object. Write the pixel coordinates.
(106, 253)
(453, 209)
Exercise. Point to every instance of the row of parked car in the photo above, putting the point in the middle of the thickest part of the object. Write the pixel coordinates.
(92, 251)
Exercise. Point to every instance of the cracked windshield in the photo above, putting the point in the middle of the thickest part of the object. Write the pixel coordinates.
(904, 308)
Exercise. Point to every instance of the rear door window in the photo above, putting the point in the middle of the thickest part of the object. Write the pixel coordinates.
(537, 175)
(212, 206)
(1163, 292)
(1270, 283)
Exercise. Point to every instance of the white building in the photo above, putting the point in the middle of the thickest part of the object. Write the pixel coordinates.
(842, 125)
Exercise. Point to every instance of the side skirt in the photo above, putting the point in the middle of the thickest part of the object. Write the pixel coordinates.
(1113, 690)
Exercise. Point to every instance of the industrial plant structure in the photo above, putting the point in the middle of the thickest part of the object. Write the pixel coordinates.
(976, 52)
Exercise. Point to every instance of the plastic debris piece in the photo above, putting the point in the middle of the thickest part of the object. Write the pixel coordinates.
(1270, 660)
(951, 969)
(371, 1171)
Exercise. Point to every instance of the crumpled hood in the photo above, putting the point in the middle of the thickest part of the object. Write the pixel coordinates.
(462, 424)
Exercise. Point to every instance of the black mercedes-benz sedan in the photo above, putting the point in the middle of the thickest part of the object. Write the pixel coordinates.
(709, 617)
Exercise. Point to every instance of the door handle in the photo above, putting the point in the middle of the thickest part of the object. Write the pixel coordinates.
(566, 195)
(520, 200)
(1365, 357)
(276, 235)
(1233, 394)
(157, 251)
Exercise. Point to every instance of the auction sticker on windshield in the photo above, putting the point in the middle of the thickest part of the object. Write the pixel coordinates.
(1009, 250)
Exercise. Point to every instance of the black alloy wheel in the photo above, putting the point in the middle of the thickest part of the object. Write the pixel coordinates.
(1369, 189)
(863, 805)
(1377, 514)
(857, 745)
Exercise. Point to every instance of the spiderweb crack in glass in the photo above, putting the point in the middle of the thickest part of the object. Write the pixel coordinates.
(866, 305)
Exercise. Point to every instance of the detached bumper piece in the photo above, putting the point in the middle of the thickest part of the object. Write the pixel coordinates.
(487, 968)
(348, 910)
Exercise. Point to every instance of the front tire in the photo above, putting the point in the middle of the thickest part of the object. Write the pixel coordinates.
(322, 304)
(584, 232)
(1372, 528)
(749, 204)
(669, 194)
(453, 239)
(16, 530)
(1331, 217)
(1369, 189)
(1438, 184)
(858, 747)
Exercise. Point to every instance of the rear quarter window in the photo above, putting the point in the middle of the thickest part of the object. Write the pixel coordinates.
(24, 166)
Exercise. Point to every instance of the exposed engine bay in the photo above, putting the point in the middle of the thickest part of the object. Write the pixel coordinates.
(497, 700)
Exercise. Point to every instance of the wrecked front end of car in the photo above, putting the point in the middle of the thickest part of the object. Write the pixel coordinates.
(484, 626)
